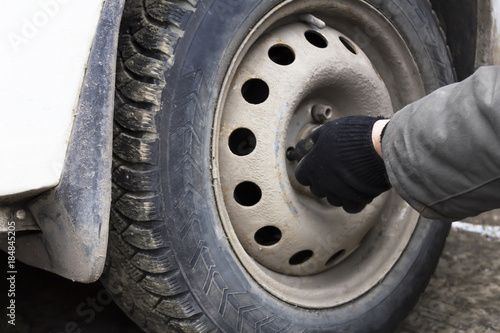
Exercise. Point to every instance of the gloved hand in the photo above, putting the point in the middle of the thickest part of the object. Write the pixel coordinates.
(338, 161)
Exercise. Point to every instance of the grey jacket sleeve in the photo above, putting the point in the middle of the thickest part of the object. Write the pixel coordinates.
(442, 153)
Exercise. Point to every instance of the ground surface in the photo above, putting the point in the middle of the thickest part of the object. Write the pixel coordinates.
(463, 296)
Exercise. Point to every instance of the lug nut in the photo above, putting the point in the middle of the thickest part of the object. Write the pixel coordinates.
(321, 113)
(291, 154)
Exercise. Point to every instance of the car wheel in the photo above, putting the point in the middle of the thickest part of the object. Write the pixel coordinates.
(209, 229)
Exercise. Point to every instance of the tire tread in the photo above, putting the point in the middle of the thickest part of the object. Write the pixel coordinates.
(141, 263)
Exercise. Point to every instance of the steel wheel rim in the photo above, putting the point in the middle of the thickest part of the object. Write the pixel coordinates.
(275, 226)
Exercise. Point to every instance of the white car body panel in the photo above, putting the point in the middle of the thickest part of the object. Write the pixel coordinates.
(495, 38)
(45, 47)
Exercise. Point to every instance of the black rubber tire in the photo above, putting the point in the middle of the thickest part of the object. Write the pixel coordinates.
(170, 266)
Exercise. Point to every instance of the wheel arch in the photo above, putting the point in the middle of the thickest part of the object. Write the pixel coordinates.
(471, 32)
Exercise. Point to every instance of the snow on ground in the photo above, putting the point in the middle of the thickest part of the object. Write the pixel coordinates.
(490, 231)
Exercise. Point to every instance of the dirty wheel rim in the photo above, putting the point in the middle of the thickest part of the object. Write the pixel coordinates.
(303, 65)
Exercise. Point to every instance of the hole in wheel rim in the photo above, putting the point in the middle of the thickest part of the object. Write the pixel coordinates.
(242, 142)
(301, 257)
(335, 257)
(247, 194)
(268, 236)
(316, 39)
(281, 55)
(348, 45)
(255, 91)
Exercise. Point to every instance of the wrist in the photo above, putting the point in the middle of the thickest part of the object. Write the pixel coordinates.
(378, 127)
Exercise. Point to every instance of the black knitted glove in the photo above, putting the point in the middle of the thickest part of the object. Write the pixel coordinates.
(338, 161)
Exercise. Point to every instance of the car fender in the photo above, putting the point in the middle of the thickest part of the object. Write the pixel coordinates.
(69, 222)
(44, 55)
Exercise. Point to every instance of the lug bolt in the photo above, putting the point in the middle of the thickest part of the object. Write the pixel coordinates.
(321, 113)
(20, 214)
(312, 20)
